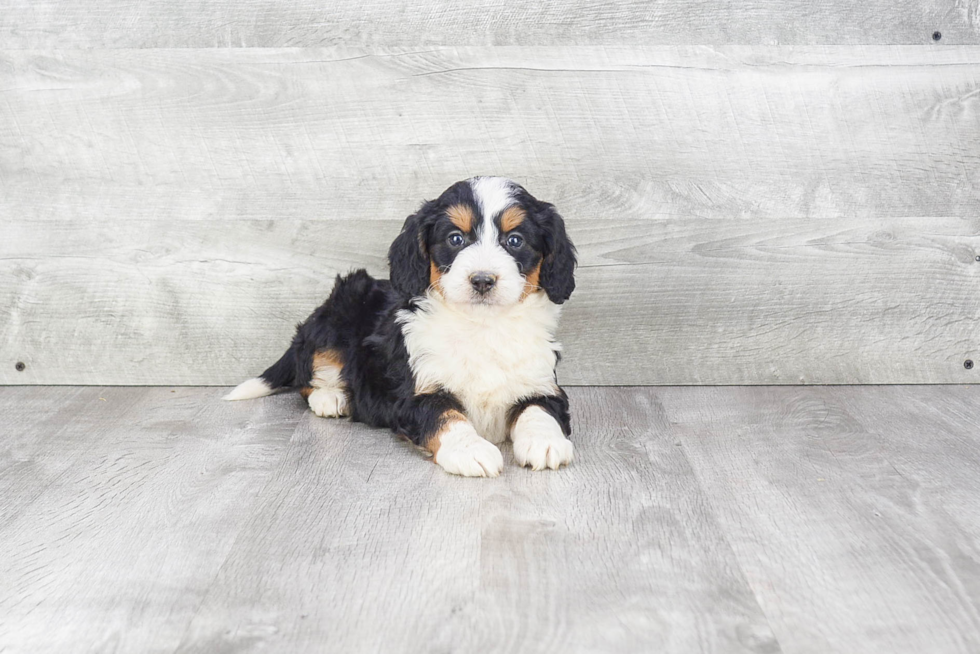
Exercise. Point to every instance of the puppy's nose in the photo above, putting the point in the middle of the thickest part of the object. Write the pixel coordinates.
(482, 282)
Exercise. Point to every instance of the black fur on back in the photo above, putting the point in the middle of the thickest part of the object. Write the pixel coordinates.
(358, 321)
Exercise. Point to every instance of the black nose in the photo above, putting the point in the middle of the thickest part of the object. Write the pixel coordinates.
(482, 282)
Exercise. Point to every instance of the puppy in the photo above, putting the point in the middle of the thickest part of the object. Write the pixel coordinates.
(457, 351)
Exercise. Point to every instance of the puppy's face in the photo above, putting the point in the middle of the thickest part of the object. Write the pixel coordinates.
(485, 241)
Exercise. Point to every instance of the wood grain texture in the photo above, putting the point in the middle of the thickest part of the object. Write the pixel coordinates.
(40, 437)
(120, 508)
(745, 215)
(635, 133)
(361, 545)
(798, 520)
(852, 510)
(658, 302)
(225, 23)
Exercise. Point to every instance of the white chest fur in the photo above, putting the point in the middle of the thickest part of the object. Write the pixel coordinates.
(488, 357)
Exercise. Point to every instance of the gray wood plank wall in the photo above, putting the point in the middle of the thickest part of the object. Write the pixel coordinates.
(745, 214)
(291, 23)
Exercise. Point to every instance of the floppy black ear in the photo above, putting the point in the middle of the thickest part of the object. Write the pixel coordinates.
(408, 256)
(558, 266)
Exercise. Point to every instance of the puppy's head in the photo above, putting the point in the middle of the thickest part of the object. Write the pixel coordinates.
(485, 241)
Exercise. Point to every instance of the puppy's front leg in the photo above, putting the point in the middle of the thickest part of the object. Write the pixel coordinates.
(540, 432)
(442, 429)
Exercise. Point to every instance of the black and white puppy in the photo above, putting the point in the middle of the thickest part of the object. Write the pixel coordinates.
(457, 352)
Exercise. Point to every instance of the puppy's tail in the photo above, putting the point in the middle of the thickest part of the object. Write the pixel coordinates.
(278, 375)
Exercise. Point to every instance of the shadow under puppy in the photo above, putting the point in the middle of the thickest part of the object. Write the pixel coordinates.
(457, 351)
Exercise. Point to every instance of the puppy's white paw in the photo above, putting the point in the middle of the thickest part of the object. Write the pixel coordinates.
(328, 402)
(539, 441)
(462, 451)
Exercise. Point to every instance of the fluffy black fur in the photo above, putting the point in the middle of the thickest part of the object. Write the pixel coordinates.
(358, 319)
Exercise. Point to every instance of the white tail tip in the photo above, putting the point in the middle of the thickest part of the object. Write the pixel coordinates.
(249, 390)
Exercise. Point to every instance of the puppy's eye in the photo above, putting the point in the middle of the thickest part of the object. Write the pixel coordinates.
(456, 239)
(515, 241)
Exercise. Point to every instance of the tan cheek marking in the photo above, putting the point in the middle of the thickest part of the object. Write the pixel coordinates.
(532, 281)
(434, 273)
(511, 219)
(461, 216)
(447, 419)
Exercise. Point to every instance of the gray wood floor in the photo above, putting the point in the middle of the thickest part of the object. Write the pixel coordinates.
(764, 519)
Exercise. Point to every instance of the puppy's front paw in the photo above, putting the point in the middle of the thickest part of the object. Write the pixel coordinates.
(462, 451)
(539, 441)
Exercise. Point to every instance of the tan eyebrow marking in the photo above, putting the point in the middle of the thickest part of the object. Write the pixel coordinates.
(461, 216)
(511, 218)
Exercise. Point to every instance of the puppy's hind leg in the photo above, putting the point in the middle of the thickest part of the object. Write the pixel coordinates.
(327, 393)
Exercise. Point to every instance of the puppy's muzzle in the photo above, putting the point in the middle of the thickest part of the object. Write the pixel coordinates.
(483, 282)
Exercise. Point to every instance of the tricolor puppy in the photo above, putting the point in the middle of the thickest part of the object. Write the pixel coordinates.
(457, 352)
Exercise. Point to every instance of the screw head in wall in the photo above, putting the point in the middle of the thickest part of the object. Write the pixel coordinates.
(937, 35)
(968, 364)
(20, 366)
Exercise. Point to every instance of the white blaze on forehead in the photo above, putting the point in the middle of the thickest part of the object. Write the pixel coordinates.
(493, 195)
